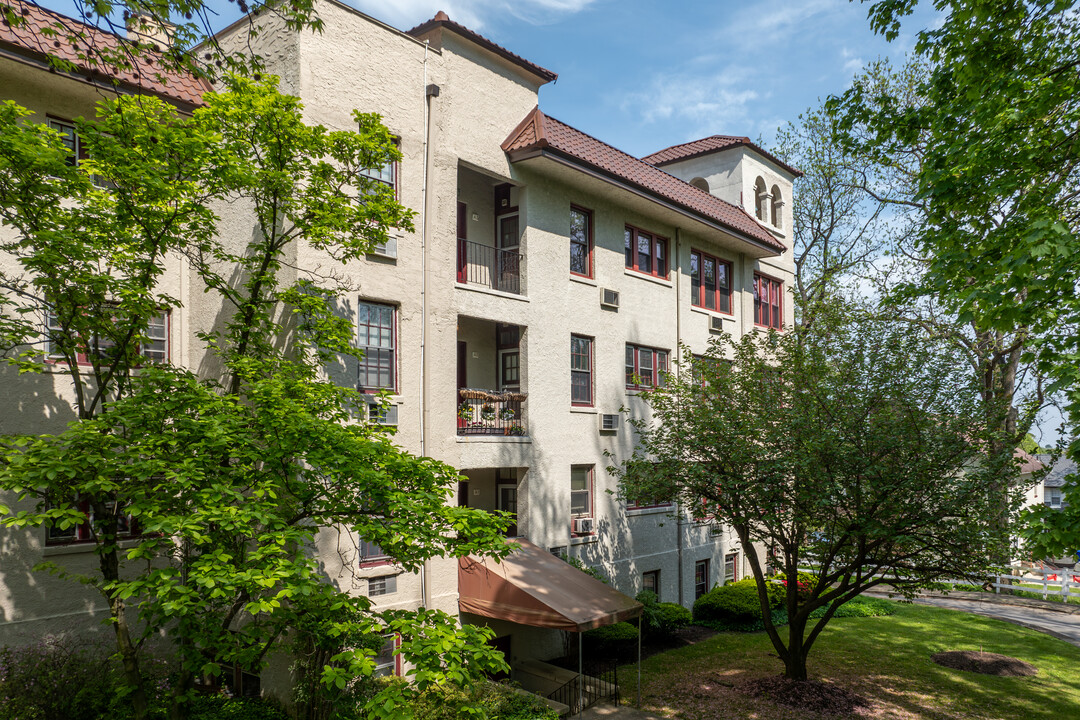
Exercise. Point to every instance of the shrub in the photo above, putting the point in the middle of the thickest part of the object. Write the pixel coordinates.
(776, 591)
(214, 707)
(805, 582)
(660, 621)
(488, 700)
(736, 602)
(618, 640)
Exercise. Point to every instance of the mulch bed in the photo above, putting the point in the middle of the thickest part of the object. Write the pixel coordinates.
(806, 695)
(985, 663)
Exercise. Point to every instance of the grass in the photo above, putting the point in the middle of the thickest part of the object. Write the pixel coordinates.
(884, 659)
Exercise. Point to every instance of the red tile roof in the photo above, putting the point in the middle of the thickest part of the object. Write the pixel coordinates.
(441, 19)
(75, 40)
(540, 132)
(704, 146)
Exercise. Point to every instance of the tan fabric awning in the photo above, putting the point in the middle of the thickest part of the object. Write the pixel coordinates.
(533, 587)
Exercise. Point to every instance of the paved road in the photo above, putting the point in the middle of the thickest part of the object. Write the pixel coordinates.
(1062, 625)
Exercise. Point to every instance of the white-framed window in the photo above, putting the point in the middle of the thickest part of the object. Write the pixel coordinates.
(581, 491)
(731, 566)
(386, 660)
(1053, 497)
(382, 585)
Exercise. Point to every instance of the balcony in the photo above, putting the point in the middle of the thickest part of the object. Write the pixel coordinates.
(491, 412)
(490, 267)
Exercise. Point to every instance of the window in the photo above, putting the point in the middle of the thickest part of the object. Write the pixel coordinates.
(650, 581)
(760, 199)
(646, 252)
(701, 578)
(84, 532)
(730, 566)
(387, 174)
(70, 138)
(704, 368)
(383, 585)
(645, 367)
(581, 487)
(581, 375)
(386, 661)
(767, 305)
(710, 282)
(581, 241)
(371, 554)
(777, 207)
(1053, 497)
(375, 328)
(155, 348)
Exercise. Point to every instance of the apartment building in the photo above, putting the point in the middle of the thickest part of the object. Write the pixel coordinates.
(550, 278)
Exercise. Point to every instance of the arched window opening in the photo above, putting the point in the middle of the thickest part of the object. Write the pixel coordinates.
(761, 208)
(700, 183)
(777, 207)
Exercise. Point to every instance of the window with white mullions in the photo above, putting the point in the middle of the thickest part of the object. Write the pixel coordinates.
(581, 487)
(376, 339)
(645, 367)
(581, 370)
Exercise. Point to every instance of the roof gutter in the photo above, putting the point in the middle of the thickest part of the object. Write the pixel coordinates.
(576, 164)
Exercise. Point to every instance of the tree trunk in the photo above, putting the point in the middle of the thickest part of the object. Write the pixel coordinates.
(795, 660)
(129, 654)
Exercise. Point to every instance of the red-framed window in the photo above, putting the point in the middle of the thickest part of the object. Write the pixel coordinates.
(388, 659)
(645, 367)
(581, 370)
(155, 349)
(645, 252)
(371, 554)
(581, 241)
(377, 338)
(126, 526)
(710, 282)
(701, 578)
(768, 301)
(581, 490)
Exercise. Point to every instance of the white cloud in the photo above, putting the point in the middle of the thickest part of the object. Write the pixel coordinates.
(474, 14)
(704, 103)
(762, 23)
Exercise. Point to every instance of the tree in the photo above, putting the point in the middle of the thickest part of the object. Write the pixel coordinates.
(999, 123)
(854, 445)
(234, 474)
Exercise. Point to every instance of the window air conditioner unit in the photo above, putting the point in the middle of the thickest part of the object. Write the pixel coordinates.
(609, 423)
(385, 249)
(609, 298)
(581, 526)
(382, 414)
(716, 324)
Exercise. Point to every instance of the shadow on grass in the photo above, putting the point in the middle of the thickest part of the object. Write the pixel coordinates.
(886, 660)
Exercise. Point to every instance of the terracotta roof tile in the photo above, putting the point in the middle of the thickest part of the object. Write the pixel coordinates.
(145, 76)
(704, 146)
(538, 131)
(441, 19)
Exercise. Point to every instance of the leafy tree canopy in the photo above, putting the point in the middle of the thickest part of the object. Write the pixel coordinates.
(855, 446)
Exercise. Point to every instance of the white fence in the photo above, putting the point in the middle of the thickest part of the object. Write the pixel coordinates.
(1057, 584)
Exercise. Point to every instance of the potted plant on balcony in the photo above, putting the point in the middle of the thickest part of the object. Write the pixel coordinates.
(487, 412)
(507, 414)
(465, 412)
(516, 429)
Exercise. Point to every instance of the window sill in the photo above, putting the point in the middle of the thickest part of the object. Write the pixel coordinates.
(650, 278)
(489, 291)
(84, 547)
(726, 317)
(366, 571)
(637, 512)
(583, 410)
(584, 280)
(505, 439)
(584, 539)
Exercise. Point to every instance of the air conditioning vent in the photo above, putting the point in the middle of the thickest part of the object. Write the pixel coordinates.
(582, 526)
(609, 423)
(609, 298)
(386, 249)
(716, 324)
(382, 414)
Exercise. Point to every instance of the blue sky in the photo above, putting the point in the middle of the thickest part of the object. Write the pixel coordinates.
(643, 75)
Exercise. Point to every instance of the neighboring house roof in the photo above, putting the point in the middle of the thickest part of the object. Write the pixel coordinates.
(1028, 463)
(1058, 474)
(441, 19)
(712, 144)
(540, 133)
(28, 42)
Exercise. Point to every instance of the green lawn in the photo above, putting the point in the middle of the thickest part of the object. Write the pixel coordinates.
(884, 659)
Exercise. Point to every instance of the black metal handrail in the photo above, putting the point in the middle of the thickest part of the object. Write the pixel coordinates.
(489, 412)
(488, 266)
